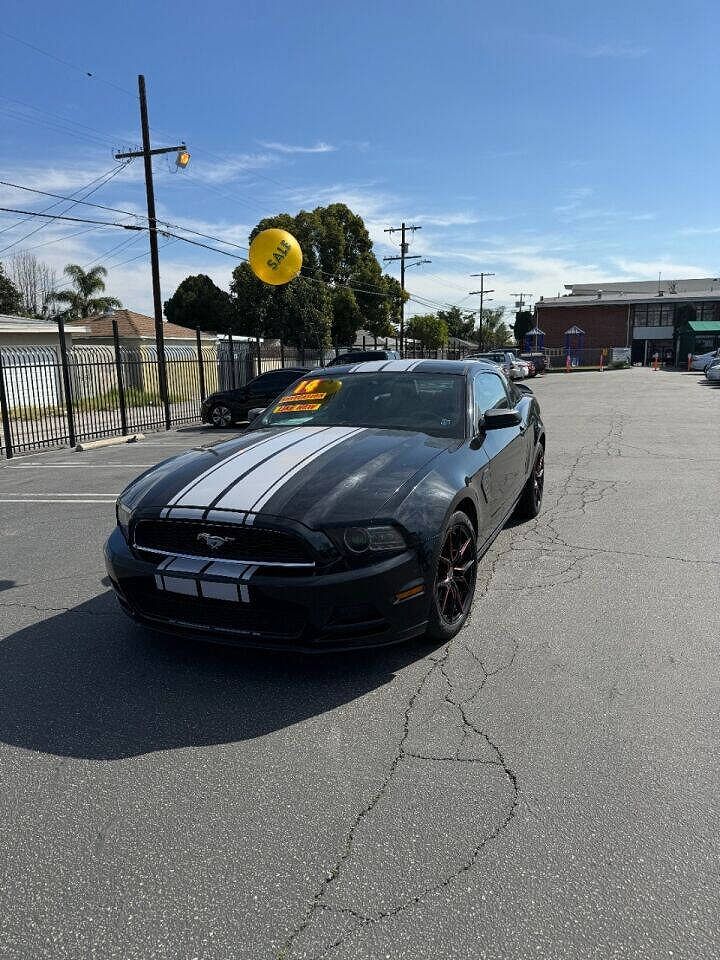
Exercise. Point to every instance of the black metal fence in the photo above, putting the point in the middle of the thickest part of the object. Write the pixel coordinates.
(55, 396)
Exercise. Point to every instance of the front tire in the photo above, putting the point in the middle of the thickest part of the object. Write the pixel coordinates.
(455, 578)
(531, 498)
(221, 416)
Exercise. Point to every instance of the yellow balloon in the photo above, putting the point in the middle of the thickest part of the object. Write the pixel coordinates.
(275, 256)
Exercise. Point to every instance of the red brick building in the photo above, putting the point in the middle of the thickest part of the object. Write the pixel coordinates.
(641, 315)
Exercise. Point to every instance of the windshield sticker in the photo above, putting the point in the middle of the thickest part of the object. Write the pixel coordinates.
(308, 396)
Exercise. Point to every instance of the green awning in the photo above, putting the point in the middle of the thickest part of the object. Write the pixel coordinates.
(704, 326)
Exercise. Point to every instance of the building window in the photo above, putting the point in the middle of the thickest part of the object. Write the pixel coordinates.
(666, 315)
(640, 315)
(653, 315)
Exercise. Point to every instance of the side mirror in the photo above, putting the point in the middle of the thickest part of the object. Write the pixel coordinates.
(254, 413)
(501, 419)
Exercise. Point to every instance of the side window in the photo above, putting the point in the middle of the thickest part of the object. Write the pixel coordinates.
(280, 382)
(490, 394)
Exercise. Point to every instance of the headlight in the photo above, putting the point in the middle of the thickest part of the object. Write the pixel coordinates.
(380, 539)
(123, 514)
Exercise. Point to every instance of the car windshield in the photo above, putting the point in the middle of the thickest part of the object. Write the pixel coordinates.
(427, 402)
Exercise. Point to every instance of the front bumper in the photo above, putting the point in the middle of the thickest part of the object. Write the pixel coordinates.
(352, 609)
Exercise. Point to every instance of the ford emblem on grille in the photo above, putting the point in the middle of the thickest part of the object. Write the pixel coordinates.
(212, 542)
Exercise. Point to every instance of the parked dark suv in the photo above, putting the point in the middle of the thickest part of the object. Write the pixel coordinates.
(226, 407)
(360, 356)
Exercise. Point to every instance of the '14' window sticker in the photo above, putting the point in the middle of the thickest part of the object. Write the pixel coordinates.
(308, 396)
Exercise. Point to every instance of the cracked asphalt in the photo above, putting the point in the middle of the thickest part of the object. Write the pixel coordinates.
(544, 786)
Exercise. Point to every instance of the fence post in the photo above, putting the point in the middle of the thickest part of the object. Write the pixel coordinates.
(258, 351)
(201, 368)
(7, 437)
(66, 383)
(121, 384)
(231, 348)
(363, 341)
(282, 354)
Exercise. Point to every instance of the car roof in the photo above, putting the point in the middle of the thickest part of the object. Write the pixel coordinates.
(284, 370)
(411, 366)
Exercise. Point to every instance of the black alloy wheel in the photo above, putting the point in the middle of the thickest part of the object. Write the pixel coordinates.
(531, 498)
(455, 578)
(221, 415)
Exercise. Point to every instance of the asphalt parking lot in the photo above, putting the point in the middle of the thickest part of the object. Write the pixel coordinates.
(544, 786)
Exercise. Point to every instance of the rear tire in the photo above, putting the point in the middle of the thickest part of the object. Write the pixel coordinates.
(455, 577)
(531, 498)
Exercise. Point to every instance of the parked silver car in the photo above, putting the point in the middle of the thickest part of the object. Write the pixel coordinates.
(713, 371)
(513, 367)
(701, 361)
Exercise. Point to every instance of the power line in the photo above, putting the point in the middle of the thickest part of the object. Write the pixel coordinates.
(58, 118)
(128, 213)
(57, 216)
(71, 203)
(66, 63)
(51, 206)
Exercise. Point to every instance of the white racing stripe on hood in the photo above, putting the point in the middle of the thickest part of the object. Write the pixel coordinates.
(369, 366)
(400, 366)
(260, 503)
(205, 488)
(261, 483)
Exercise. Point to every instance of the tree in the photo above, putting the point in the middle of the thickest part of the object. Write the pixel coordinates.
(375, 296)
(430, 329)
(523, 323)
(198, 302)
(251, 299)
(10, 299)
(81, 302)
(459, 324)
(36, 282)
(346, 317)
(301, 312)
(494, 331)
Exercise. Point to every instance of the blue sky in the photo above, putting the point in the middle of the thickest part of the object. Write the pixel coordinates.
(548, 143)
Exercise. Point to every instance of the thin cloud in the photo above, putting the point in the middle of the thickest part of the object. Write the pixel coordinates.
(319, 147)
(606, 50)
(649, 269)
(617, 51)
(225, 171)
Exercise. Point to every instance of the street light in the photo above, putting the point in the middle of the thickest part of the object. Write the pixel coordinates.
(416, 263)
(183, 159)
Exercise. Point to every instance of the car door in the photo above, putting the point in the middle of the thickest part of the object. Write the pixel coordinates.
(505, 448)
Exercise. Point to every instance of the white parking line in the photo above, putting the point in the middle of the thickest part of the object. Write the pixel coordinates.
(62, 494)
(4, 500)
(75, 466)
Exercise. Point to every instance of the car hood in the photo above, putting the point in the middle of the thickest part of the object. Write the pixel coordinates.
(312, 475)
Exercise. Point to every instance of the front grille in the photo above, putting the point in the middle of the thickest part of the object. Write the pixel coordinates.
(285, 621)
(244, 543)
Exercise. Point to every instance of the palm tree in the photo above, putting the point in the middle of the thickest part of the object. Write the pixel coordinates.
(81, 301)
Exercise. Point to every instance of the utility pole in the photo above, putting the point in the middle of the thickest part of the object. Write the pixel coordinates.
(402, 258)
(147, 154)
(482, 291)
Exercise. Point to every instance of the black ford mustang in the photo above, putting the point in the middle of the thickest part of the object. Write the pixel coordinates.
(352, 513)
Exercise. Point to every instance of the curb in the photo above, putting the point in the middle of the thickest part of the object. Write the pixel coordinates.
(108, 442)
